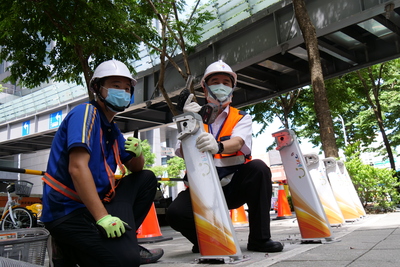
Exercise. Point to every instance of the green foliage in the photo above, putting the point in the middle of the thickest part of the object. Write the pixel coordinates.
(158, 170)
(347, 96)
(282, 106)
(84, 34)
(175, 167)
(149, 157)
(376, 187)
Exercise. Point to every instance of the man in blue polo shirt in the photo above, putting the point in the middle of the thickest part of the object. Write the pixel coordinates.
(91, 216)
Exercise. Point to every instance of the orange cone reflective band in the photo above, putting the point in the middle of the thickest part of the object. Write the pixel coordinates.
(239, 217)
(149, 231)
(283, 204)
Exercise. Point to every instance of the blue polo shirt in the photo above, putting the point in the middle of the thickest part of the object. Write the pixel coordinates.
(81, 128)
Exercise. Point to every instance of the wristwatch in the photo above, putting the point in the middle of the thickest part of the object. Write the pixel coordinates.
(220, 147)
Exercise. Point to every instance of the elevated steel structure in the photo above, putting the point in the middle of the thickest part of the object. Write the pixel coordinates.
(267, 51)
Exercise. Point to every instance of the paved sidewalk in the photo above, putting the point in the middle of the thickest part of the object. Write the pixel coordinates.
(371, 241)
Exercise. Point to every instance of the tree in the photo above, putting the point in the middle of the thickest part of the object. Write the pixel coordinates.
(175, 167)
(372, 86)
(280, 106)
(317, 80)
(83, 34)
(366, 98)
(175, 33)
(149, 157)
(375, 187)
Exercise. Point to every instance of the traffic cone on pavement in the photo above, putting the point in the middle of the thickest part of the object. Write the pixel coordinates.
(238, 217)
(283, 205)
(149, 231)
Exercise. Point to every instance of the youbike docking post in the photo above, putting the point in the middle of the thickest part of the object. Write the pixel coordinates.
(311, 217)
(216, 235)
(341, 191)
(316, 169)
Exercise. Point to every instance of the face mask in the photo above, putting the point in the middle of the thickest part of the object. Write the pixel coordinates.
(118, 97)
(222, 92)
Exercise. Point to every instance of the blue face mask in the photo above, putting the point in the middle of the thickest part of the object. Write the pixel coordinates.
(118, 98)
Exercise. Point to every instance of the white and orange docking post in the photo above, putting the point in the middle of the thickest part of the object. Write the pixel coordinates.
(311, 217)
(341, 191)
(216, 235)
(352, 190)
(316, 168)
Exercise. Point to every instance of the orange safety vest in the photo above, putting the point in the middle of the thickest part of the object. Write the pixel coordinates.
(72, 194)
(225, 132)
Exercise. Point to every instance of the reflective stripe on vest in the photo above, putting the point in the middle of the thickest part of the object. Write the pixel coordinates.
(229, 161)
(72, 194)
(61, 188)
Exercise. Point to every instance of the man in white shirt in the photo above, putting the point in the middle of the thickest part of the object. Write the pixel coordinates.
(244, 181)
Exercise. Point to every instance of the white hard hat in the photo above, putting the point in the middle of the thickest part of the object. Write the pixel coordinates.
(219, 67)
(112, 68)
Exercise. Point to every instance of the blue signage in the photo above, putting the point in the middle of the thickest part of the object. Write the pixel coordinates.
(26, 127)
(55, 119)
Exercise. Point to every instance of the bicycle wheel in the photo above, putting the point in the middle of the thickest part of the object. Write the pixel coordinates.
(23, 219)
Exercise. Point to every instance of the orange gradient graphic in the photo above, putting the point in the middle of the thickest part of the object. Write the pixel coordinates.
(214, 237)
(348, 210)
(311, 224)
(334, 217)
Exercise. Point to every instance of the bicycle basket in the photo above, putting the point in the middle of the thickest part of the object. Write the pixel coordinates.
(27, 245)
(23, 188)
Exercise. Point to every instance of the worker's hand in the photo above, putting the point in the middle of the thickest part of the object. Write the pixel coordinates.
(191, 106)
(133, 145)
(207, 142)
(111, 226)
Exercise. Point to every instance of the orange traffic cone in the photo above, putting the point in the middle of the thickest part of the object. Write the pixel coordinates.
(283, 205)
(238, 217)
(149, 231)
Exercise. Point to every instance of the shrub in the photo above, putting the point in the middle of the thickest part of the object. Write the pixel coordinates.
(376, 187)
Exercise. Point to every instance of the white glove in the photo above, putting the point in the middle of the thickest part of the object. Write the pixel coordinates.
(191, 106)
(207, 142)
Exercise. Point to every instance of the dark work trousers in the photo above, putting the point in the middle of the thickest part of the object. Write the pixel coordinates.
(80, 242)
(251, 184)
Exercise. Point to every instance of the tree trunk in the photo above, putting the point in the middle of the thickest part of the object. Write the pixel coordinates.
(161, 78)
(87, 72)
(376, 107)
(321, 104)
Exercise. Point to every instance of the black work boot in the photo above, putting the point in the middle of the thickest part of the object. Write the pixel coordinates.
(150, 255)
(264, 246)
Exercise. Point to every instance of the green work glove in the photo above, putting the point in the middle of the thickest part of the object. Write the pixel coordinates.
(111, 226)
(134, 146)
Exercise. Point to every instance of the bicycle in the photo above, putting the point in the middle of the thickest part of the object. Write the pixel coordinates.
(14, 216)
